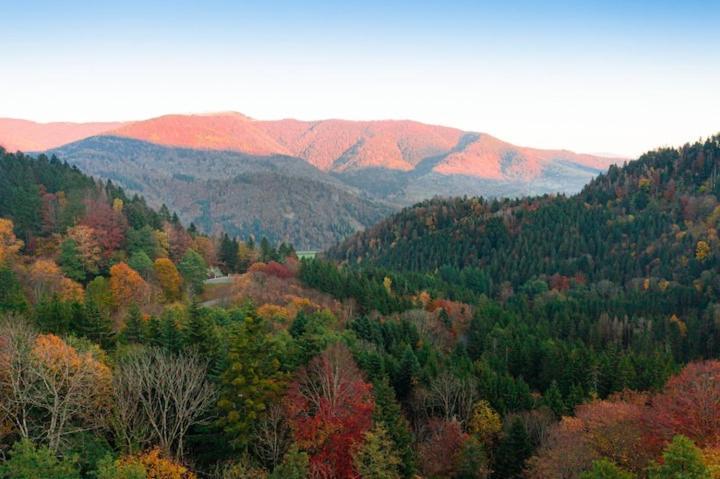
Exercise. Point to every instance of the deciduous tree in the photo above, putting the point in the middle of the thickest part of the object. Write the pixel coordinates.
(330, 408)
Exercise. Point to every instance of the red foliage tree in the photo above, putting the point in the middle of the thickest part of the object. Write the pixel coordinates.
(330, 407)
(179, 241)
(689, 405)
(273, 268)
(109, 225)
(439, 451)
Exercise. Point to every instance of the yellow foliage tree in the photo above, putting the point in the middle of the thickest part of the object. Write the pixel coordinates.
(485, 422)
(711, 458)
(9, 244)
(387, 283)
(118, 205)
(702, 251)
(273, 312)
(158, 467)
(169, 278)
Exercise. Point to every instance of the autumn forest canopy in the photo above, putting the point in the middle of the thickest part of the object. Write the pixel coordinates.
(573, 337)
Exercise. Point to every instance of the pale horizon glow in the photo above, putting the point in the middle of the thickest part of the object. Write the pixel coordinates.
(593, 77)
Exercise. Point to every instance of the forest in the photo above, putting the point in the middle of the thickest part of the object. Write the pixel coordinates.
(544, 337)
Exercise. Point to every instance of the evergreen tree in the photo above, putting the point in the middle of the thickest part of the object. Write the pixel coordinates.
(141, 262)
(512, 452)
(30, 462)
(170, 337)
(12, 298)
(389, 414)
(70, 261)
(133, 330)
(252, 379)
(553, 399)
(193, 269)
(229, 253)
(98, 326)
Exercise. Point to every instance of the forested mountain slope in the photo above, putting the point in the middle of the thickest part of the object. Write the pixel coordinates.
(279, 197)
(453, 372)
(654, 219)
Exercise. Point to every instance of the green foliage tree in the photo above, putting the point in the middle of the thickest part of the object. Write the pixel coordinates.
(681, 460)
(295, 465)
(252, 379)
(12, 297)
(473, 462)
(377, 458)
(133, 330)
(141, 262)
(193, 269)
(70, 261)
(110, 468)
(514, 449)
(606, 469)
(28, 461)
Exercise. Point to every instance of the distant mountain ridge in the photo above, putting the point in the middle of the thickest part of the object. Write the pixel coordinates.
(24, 135)
(311, 183)
(330, 145)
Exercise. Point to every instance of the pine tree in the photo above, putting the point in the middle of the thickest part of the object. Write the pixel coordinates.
(11, 293)
(170, 337)
(514, 449)
(70, 261)
(553, 399)
(388, 412)
(407, 373)
(251, 381)
(133, 330)
(98, 326)
(193, 269)
(229, 253)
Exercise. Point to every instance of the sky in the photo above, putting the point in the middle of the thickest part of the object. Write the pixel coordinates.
(618, 77)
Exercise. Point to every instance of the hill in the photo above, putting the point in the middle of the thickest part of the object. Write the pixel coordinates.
(280, 197)
(654, 219)
(467, 362)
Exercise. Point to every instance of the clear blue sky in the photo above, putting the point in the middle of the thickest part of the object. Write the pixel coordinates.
(595, 76)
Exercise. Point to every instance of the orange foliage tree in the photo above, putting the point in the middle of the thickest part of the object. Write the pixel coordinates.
(126, 285)
(611, 428)
(45, 278)
(49, 389)
(157, 466)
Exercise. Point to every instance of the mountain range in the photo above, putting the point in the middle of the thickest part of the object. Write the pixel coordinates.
(227, 171)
